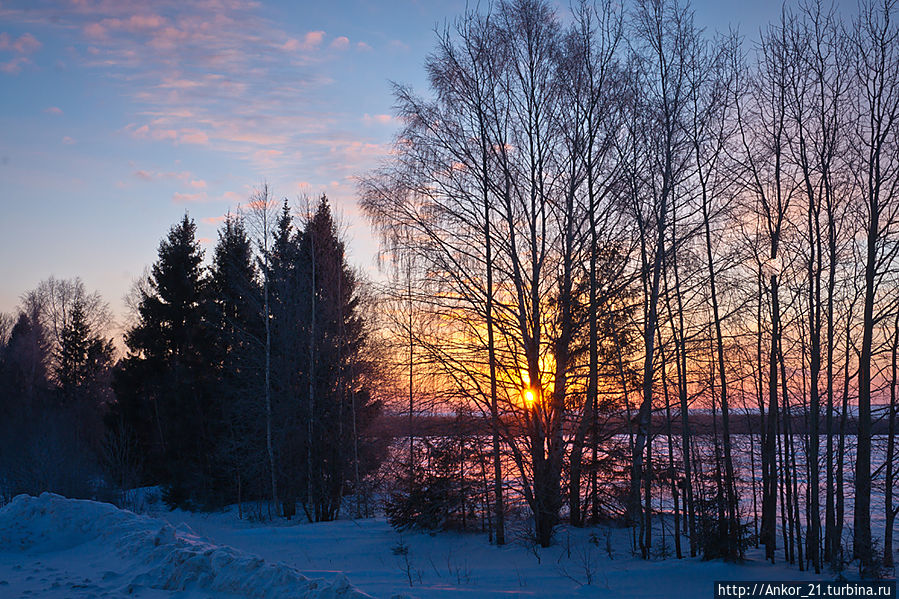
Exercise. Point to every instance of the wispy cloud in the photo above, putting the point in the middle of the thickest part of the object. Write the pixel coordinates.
(177, 136)
(340, 43)
(381, 119)
(14, 65)
(53, 110)
(205, 72)
(20, 48)
(313, 40)
(24, 44)
(216, 75)
(149, 175)
(187, 198)
(398, 45)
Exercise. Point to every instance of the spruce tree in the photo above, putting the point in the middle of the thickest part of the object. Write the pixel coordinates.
(235, 326)
(74, 342)
(338, 403)
(164, 384)
(23, 368)
(289, 435)
(84, 360)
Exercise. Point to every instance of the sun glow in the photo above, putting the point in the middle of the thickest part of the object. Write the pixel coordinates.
(529, 397)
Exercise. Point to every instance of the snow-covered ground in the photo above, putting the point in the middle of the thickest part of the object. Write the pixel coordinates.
(56, 547)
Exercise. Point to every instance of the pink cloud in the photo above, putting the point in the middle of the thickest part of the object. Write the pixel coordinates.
(193, 137)
(14, 65)
(144, 132)
(99, 30)
(185, 198)
(198, 184)
(137, 22)
(398, 45)
(178, 136)
(233, 133)
(213, 76)
(53, 110)
(292, 45)
(382, 119)
(170, 38)
(25, 44)
(147, 175)
(355, 148)
(214, 220)
(180, 83)
(68, 140)
(233, 196)
(95, 31)
(267, 157)
(313, 39)
(340, 43)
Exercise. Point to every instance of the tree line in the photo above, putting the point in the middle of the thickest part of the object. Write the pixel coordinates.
(246, 379)
(608, 222)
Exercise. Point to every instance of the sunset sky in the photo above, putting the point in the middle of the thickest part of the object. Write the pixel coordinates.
(116, 116)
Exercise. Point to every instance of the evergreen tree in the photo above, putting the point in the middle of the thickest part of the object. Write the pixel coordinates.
(84, 360)
(235, 325)
(164, 384)
(279, 264)
(338, 406)
(23, 364)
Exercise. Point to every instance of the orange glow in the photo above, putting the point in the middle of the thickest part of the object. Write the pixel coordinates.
(529, 397)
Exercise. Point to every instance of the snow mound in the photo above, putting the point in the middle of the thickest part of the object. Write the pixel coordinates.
(158, 555)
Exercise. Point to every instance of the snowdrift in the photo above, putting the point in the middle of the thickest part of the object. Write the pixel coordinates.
(154, 554)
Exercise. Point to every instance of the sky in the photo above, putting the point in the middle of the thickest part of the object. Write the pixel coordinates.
(117, 116)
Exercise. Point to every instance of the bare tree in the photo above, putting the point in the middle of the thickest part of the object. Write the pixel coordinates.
(876, 166)
(666, 35)
(762, 124)
(261, 217)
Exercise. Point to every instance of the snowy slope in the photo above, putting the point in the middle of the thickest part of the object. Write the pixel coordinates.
(51, 546)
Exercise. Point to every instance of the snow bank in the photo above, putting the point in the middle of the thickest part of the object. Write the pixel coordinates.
(156, 555)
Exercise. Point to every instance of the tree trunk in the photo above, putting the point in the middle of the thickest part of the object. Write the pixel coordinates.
(890, 477)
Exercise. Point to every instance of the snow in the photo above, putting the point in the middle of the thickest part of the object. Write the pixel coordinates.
(56, 547)
(51, 546)
(457, 565)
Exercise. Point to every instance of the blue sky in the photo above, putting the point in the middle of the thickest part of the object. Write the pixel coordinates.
(116, 116)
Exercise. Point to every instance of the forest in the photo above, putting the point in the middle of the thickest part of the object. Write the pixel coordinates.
(631, 272)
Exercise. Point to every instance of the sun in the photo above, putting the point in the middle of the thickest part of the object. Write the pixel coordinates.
(529, 397)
